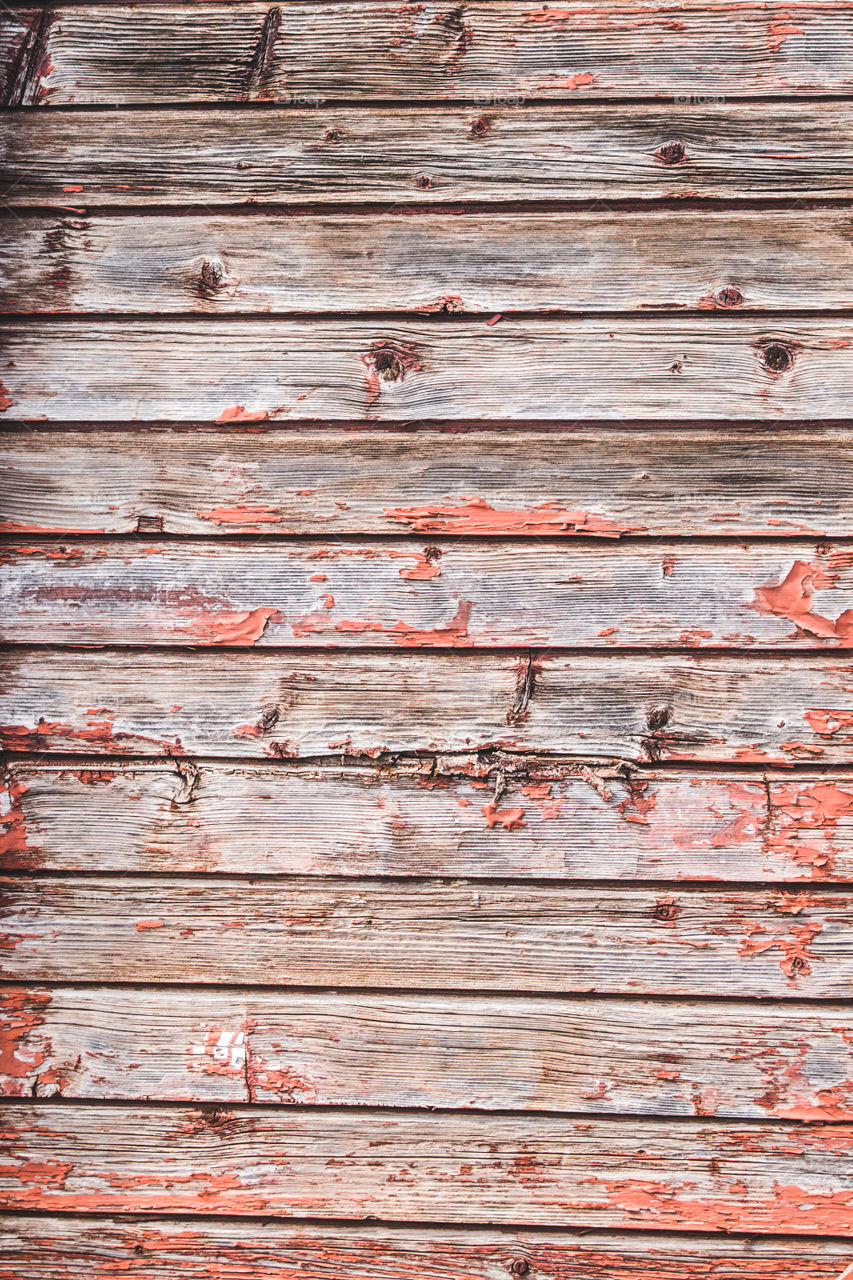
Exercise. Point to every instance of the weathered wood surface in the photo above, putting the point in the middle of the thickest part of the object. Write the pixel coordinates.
(596, 260)
(423, 817)
(210, 1249)
(410, 154)
(288, 705)
(542, 1171)
(665, 368)
(490, 52)
(611, 1057)
(408, 595)
(430, 934)
(476, 482)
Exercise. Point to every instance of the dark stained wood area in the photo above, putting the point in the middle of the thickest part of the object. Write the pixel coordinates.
(426, 540)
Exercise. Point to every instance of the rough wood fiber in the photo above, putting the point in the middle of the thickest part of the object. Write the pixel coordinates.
(590, 260)
(424, 817)
(607, 1057)
(409, 154)
(162, 1249)
(491, 52)
(431, 934)
(667, 368)
(408, 595)
(760, 711)
(430, 1168)
(479, 482)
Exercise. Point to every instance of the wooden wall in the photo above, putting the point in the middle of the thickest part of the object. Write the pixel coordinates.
(428, 588)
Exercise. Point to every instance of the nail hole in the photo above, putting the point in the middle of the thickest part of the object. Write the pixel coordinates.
(671, 153)
(658, 717)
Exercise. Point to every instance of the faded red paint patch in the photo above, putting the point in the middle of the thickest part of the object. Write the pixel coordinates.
(16, 853)
(145, 926)
(795, 949)
(427, 566)
(830, 723)
(239, 413)
(778, 32)
(243, 628)
(22, 1050)
(6, 400)
(246, 513)
(804, 821)
(455, 633)
(793, 599)
(475, 515)
(639, 802)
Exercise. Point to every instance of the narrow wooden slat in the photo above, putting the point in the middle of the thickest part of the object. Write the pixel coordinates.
(431, 934)
(581, 260)
(424, 817)
(683, 709)
(595, 1057)
(513, 482)
(206, 1249)
(489, 52)
(407, 154)
(436, 1168)
(403, 594)
(652, 368)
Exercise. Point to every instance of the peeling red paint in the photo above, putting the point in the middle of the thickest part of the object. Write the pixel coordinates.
(509, 819)
(22, 1013)
(246, 513)
(144, 926)
(243, 628)
(476, 516)
(455, 633)
(6, 400)
(239, 413)
(796, 955)
(778, 32)
(793, 599)
(16, 853)
(426, 567)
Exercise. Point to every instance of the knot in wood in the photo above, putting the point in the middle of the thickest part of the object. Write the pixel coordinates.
(777, 357)
(422, 182)
(480, 128)
(671, 153)
(658, 717)
(519, 1267)
(730, 296)
(666, 912)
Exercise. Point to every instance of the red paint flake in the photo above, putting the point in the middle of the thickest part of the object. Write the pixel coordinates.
(476, 516)
(455, 633)
(778, 32)
(424, 569)
(805, 818)
(143, 926)
(243, 628)
(537, 790)
(318, 577)
(639, 803)
(239, 413)
(793, 598)
(795, 950)
(16, 853)
(509, 819)
(829, 723)
(243, 514)
(22, 1052)
(72, 188)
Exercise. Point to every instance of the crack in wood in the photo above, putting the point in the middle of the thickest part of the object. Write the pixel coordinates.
(258, 71)
(22, 86)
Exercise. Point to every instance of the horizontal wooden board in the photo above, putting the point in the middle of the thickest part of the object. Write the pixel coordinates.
(430, 934)
(606, 1057)
(412, 154)
(596, 260)
(742, 481)
(491, 52)
(542, 1171)
(427, 817)
(290, 705)
(667, 368)
(163, 1249)
(404, 594)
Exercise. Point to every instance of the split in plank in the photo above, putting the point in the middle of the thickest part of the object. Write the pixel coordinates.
(600, 260)
(473, 483)
(296, 705)
(430, 934)
(664, 368)
(340, 595)
(542, 1171)
(437, 817)
(416, 155)
(161, 1249)
(595, 1057)
(488, 52)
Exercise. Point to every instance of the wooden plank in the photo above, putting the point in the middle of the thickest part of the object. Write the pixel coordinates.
(408, 154)
(494, 52)
(610, 1057)
(427, 817)
(65, 1248)
(666, 368)
(255, 705)
(599, 260)
(478, 483)
(430, 934)
(403, 594)
(543, 1171)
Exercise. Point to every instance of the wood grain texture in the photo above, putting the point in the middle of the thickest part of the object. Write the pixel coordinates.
(493, 52)
(429, 1168)
(427, 817)
(409, 154)
(478, 482)
(405, 594)
(289, 705)
(207, 1249)
(430, 935)
(600, 260)
(601, 1057)
(593, 261)
(667, 368)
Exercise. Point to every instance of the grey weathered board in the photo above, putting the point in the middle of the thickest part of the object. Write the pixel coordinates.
(395, 398)
(484, 50)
